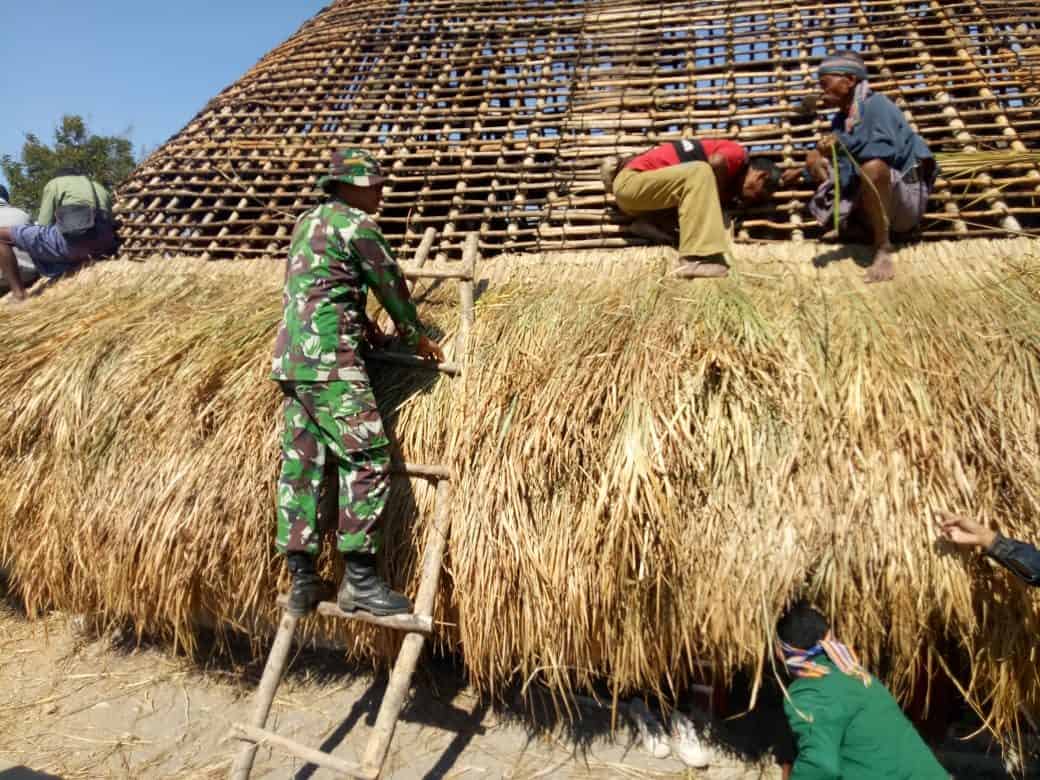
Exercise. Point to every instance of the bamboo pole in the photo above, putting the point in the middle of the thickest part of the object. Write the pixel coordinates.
(274, 669)
(411, 647)
(469, 264)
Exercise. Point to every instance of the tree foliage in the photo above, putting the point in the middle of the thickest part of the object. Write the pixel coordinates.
(107, 158)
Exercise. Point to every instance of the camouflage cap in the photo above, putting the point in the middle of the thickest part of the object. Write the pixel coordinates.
(353, 166)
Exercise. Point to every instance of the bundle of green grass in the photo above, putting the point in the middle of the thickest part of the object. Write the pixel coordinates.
(647, 469)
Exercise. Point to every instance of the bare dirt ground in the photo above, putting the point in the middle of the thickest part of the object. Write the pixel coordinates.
(78, 706)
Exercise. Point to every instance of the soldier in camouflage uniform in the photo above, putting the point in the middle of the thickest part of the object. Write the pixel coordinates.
(337, 254)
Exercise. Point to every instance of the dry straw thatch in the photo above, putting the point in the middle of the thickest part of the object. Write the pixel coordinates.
(648, 469)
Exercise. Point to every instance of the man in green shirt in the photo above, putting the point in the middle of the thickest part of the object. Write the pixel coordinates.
(74, 226)
(845, 722)
(337, 254)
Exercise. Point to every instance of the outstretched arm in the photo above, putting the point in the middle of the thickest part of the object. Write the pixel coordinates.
(380, 273)
(1020, 558)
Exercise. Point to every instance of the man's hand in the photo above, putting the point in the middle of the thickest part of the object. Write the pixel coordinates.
(826, 144)
(964, 531)
(429, 350)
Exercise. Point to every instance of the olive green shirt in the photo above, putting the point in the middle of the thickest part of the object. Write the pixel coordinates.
(71, 191)
(846, 730)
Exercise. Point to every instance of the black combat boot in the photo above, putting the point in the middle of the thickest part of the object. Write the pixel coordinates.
(363, 589)
(307, 587)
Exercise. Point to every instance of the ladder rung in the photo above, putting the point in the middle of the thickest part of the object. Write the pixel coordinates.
(404, 359)
(436, 273)
(422, 470)
(310, 755)
(422, 624)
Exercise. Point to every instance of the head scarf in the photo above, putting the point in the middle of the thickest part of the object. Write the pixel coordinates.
(800, 662)
(848, 63)
(844, 63)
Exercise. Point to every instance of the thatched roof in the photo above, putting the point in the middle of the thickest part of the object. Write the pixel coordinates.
(648, 469)
(493, 118)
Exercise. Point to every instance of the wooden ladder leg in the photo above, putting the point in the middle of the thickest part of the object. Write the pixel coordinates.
(408, 657)
(470, 251)
(273, 671)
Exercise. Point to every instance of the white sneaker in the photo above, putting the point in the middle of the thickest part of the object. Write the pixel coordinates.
(651, 732)
(685, 742)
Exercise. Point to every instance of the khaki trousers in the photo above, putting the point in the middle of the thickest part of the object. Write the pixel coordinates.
(691, 189)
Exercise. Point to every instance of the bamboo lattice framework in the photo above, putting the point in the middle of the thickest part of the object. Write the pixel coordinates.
(492, 117)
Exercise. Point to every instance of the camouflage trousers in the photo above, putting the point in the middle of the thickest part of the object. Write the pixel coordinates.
(340, 418)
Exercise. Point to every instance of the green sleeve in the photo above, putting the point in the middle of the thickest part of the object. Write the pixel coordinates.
(380, 272)
(45, 216)
(818, 722)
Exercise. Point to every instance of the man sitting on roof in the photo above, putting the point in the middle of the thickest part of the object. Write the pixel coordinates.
(13, 217)
(698, 178)
(336, 255)
(885, 169)
(75, 225)
(845, 722)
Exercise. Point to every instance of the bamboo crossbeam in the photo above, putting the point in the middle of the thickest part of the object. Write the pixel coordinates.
(257, 736)
(404, 359)
(434, 273)
(422, 470)
(420, 623)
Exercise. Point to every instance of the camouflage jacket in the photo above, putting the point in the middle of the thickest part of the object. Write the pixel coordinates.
(337, 254)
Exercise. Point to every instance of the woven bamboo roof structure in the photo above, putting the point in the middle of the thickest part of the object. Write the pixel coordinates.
(493, 117)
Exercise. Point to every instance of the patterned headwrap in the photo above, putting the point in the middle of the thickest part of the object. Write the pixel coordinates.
(800, 662)
(849, 63)
(845, 63)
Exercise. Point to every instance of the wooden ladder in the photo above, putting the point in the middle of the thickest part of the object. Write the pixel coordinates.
(417, 625)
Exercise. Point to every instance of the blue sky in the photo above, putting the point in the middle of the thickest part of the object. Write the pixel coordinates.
(143, 69)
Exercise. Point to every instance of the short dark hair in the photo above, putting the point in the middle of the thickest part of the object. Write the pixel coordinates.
(4, 194)
(802, 626)
(772, 171)
(68, 170)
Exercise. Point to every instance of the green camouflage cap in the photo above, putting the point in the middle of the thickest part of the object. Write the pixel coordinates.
(353, 166)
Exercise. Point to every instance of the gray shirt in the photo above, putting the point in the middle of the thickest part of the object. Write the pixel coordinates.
(10, 217)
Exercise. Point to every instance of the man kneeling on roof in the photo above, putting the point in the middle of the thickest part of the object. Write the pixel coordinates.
(75, 225)
(845, 722)
(336, 255)
(698, 178)
(885, 170)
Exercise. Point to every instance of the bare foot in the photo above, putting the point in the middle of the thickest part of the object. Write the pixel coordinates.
(15, 298)
(709, 268)
(883, 269)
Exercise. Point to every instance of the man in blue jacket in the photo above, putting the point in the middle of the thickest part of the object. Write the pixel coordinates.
(1020, 558)
(885, 169)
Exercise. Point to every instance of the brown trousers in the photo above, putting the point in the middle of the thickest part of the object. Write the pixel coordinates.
(690, 188)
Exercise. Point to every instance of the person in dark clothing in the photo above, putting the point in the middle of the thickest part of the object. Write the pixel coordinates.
(846, 724)
(1020, 558)
(885, 170)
